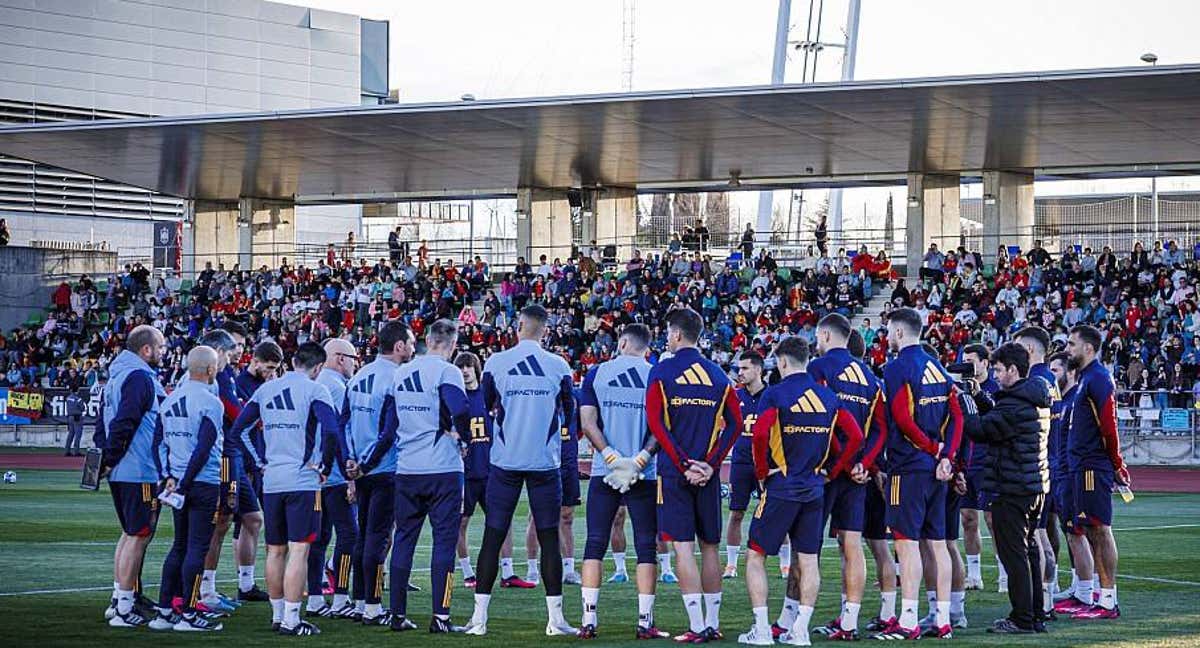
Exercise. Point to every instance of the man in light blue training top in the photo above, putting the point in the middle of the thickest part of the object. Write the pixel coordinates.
(362, 413)
(613, 416)
(528, 390)
(296, 461)
(125, 432)
(427, 418)
(188, 443)
(337, 504)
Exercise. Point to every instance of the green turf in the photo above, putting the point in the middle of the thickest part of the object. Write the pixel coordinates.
(55, 537)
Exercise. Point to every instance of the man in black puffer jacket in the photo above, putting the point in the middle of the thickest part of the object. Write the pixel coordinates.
(1016, 427)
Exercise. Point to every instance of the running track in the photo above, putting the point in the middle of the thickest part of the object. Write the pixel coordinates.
(1151, 479)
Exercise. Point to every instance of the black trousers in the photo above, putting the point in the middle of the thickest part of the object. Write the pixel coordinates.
(1014, 525)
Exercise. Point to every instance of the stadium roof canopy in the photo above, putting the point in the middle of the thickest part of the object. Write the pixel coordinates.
(1078, 124)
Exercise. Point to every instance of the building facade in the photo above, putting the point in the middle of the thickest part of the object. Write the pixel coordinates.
(105, 59)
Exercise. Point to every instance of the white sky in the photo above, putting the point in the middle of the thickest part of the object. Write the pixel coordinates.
(441, 50)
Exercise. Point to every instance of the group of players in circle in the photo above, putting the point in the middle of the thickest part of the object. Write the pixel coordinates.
(367, 454)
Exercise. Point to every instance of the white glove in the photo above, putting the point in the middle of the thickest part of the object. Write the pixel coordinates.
(615, 482)
(626, 470)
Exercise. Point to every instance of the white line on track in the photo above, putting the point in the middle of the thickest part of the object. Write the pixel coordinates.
(827, 544)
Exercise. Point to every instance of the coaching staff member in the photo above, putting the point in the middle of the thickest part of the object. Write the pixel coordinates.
(1016, 426)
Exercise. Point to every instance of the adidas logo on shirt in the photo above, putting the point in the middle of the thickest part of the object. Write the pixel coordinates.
(853, 374)
(411, 383)
(628, 378)
(179, 409)
(808, 403)
(527, 367)
(364, 386)
(694, 375)
(282, 401)
(932, 376)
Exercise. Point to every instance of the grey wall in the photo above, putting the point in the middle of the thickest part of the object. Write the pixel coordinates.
(173, 57)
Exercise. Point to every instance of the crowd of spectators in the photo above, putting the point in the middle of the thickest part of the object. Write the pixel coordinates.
(1144, 301)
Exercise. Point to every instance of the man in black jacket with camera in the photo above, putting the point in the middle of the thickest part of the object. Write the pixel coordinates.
(1016, 427)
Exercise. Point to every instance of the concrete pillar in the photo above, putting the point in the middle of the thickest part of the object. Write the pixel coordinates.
(247, 232)
(932, 216)
(612, 221)
(543, 225)
(1007, 212)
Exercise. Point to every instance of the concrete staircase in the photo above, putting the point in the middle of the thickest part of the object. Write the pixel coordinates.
(874, 308)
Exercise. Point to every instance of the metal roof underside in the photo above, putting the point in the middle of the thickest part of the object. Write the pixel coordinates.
(1077, 124)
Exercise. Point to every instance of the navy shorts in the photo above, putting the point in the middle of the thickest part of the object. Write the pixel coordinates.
(294, 516)
(845, 505)
(603, 504)
(875, 513)
(544, 488)
(1093, 497)
(976, 499)
(570, 484)
(687, 513)
(474, 493)
(917, 507)
(137, 506)
(742, 484)
(776, 520)
(953, 512)
(1060, 492)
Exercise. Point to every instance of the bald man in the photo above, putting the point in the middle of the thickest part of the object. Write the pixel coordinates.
(337, 503)
(188, 443)
(125, 431)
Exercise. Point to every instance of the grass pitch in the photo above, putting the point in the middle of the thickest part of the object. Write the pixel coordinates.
(56, 545)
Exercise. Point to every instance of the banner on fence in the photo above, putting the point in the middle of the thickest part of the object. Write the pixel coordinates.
(1175, 418)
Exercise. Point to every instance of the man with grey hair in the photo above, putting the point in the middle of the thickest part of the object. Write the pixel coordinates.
(188, 444)
(337, 504)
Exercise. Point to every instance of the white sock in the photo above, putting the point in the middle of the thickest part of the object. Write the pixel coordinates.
(124, 601)
(568, 565)
(973, 568)
(787, 616)
(116, 588)
(1074, 579)
(1083, 592)
(1003, 573)
(850, 615)
(664, 563)
(731, 557)
(760, 621)
(1096, 582)
(931, 598)
(692, 604)
(554, 609)
(1108, 598)
(467, 570)
(712, 610)
(591, 596)
(291, 614)
(245, 578)
(943, 614)
(372, 610)
(532, 571)
(276, 610)
(646, 610)
(208, 583)
(785, 557)
(481, 608)
(887, 606)
(908, 613)
(803, 617)
(843, 603)
(360, 605)
(315, 602)
(340, 600)
(506, 568)
(958, 604)
(1047, 597)
(619, 562)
